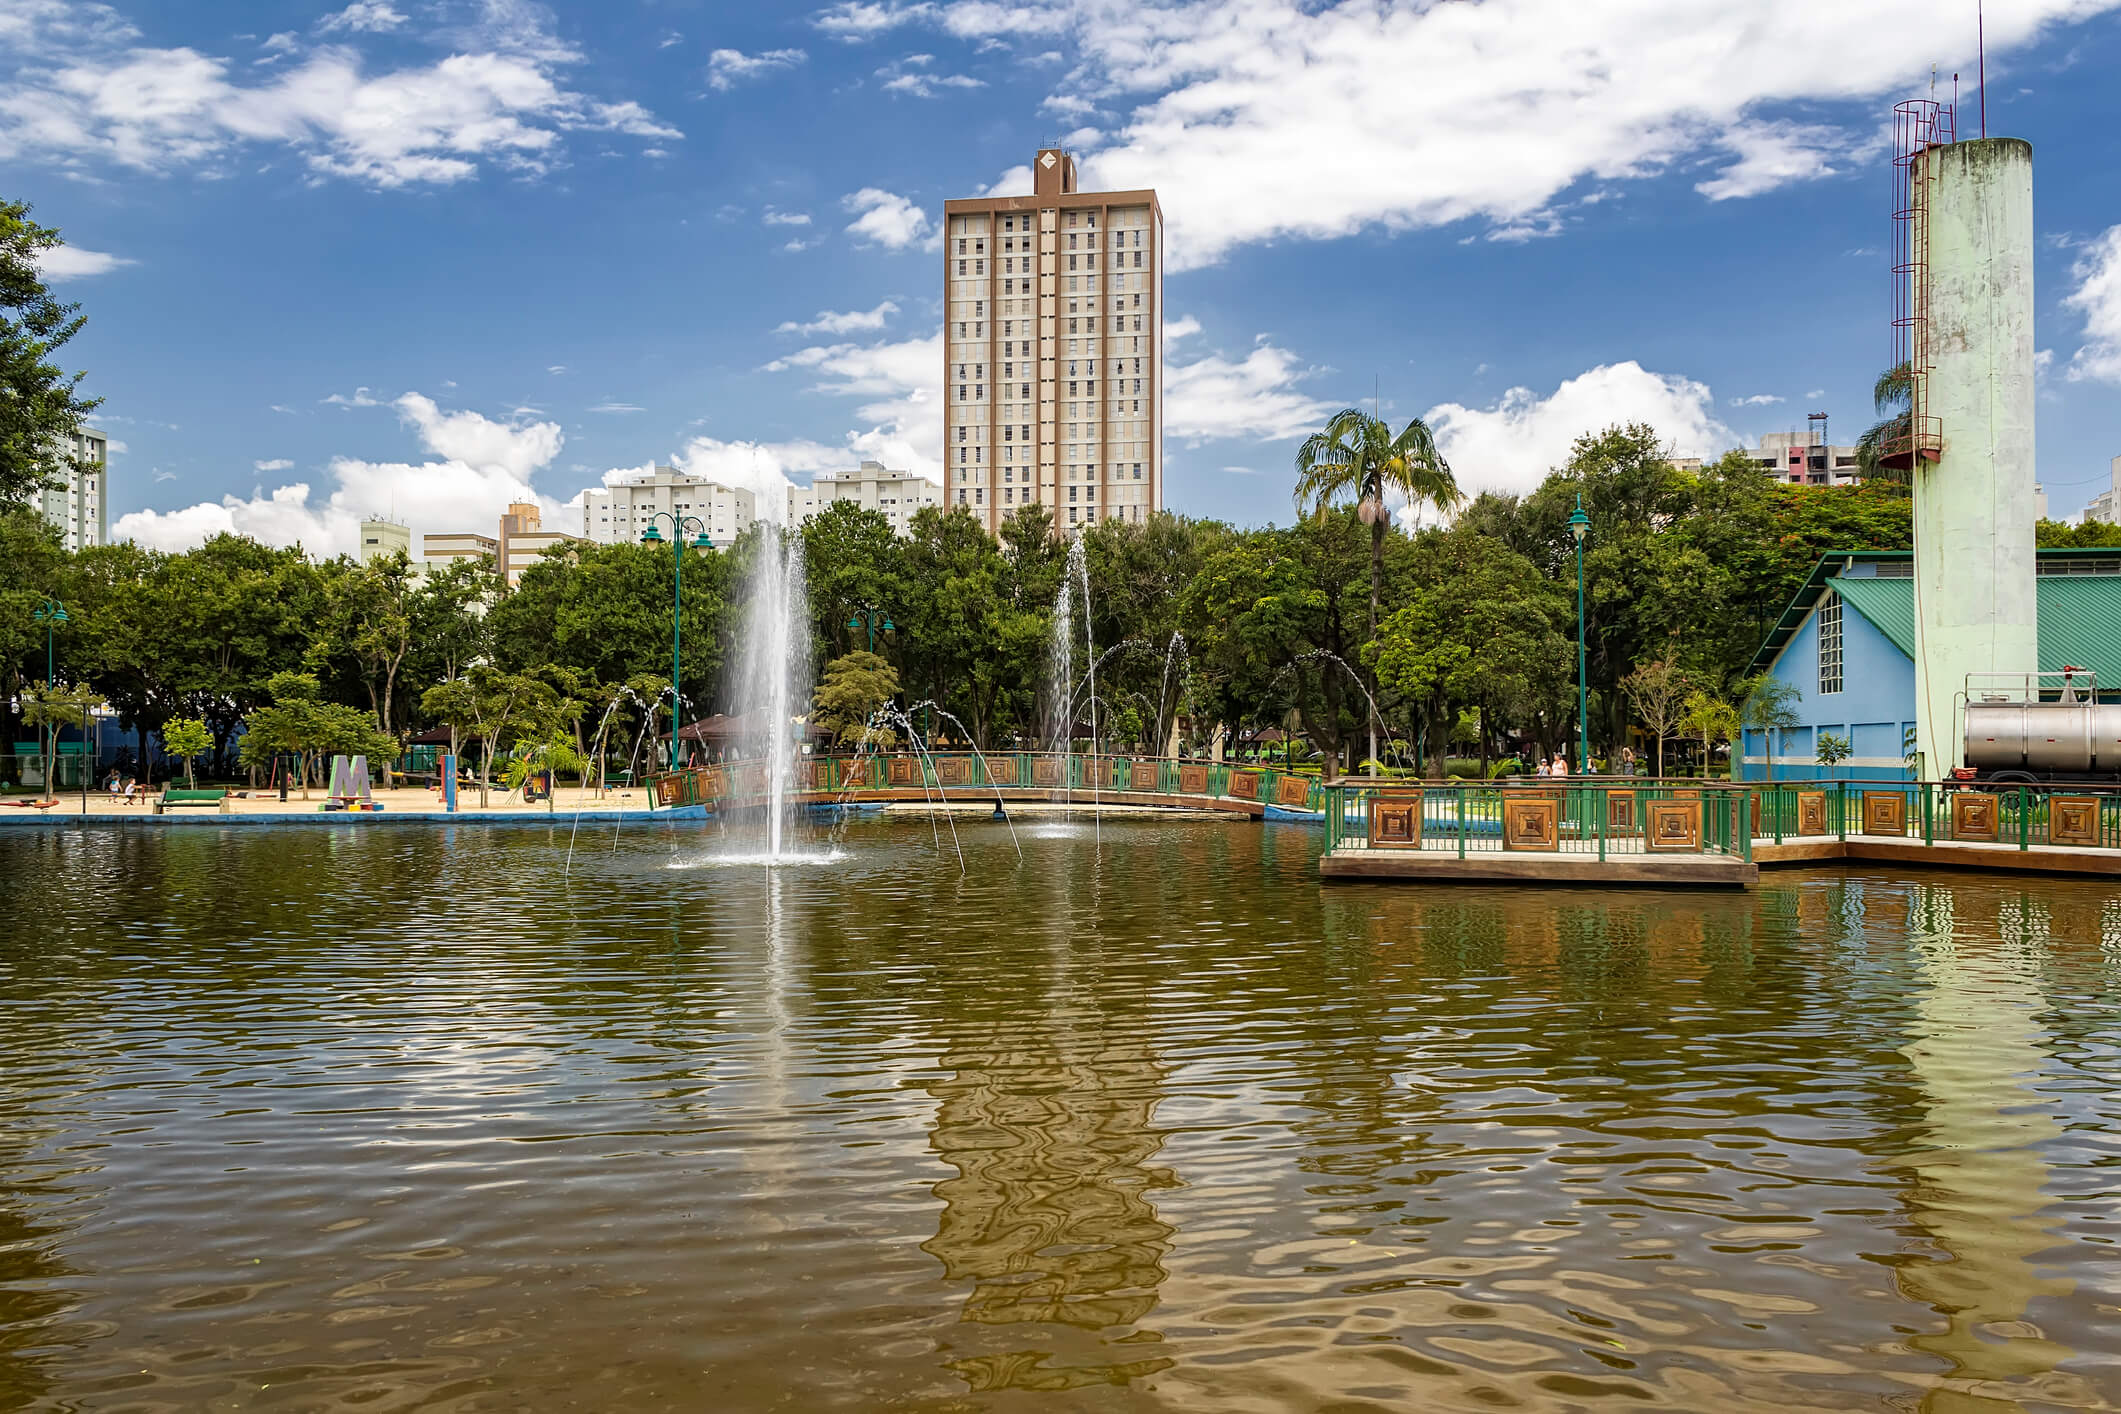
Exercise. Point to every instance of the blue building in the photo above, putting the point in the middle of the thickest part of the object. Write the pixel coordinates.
(1846, 644)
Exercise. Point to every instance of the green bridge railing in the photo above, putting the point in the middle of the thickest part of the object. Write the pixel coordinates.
(967, 775)
(1599, 817)
(1621, 815)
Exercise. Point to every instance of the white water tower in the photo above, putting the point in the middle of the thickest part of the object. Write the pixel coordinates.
(1966, 330)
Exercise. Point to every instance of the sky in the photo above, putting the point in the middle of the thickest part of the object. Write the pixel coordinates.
(420, 258)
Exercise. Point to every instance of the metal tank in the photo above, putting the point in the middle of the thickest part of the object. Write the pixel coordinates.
(2044, 738)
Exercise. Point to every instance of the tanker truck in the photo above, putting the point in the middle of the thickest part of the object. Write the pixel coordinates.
(2040, 727)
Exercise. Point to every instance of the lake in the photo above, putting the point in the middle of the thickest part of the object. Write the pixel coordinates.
(1130, 1116)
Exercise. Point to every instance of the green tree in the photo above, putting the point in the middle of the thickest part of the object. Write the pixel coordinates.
(51, 709)
(853, 564)
(1833, 750)
(1766, 704)
(1713, 720)
(854, 686)
(2091, 535)
(302, 724)
(1357, 457)
(1893, 399)
(494, 707)
(32, 570)
(187, 738)
(369, 621)
(41, 406)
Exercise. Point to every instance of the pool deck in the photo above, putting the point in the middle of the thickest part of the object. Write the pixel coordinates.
(1707, 870)
(1688, 871)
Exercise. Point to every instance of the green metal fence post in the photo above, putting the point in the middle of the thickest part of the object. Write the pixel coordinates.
(1928, 824)
(1601, 837)
(1460, 807)
(2025, 820)
(1841, 812)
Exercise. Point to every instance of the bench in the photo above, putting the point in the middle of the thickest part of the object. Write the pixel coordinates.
(174, 799)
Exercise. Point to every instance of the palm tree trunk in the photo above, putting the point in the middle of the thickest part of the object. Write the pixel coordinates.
(1377, 581)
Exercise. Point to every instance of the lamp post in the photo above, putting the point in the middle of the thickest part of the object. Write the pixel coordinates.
(865, 618)
(651, 536)
(51, 613)
(1580, 526)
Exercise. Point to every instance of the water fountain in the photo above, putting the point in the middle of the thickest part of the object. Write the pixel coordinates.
(774, 684)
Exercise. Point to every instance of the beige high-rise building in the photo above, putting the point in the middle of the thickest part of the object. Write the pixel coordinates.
(1053, 351)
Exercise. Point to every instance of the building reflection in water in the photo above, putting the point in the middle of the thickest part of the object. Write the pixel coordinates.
(1976, 1176)
(1050, 1124)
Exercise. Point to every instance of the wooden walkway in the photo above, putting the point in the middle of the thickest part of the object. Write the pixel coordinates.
(1710, 871)
(1943, 854)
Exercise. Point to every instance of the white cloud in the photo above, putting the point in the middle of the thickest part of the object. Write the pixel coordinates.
(851, 321)
(276, 464)
(1757, 400)
(901, 385)
(2098, 298)
(556, 368)
(85, 95)
(479, 467)
(1275, 119)
(1512, 445)
(1770, 155)
(910, 76)
(1179, 329)
(71, 262)
(369, 16)
(1256, 397)
(772, 217)
(361, 398)
(885, 219)
(613, 406)
(726, 68)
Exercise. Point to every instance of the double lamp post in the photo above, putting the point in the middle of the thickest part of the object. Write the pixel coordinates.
(679, 525)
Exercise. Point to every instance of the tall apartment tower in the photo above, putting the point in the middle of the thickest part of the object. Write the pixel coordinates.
(1053, 351)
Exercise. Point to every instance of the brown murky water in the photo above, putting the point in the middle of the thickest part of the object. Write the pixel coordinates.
(384, 1119)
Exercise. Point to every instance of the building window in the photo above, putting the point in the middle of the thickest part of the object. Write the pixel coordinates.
(1830, 644)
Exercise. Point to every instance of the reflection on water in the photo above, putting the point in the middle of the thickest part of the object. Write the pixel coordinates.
(395, 1118)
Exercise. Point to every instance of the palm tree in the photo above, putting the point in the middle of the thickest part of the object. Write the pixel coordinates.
(1893, 397)
(1357, 456)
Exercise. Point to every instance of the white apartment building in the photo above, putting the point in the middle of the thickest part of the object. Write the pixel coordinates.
(621, 511)
(1053, 350)
(78, 501)
(2106, 505)
(380, 539)
(896, 495)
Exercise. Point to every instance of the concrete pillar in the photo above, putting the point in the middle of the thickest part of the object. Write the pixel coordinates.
(1975, 610)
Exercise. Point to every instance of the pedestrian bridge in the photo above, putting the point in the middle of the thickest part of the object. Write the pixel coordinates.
(1028, 777)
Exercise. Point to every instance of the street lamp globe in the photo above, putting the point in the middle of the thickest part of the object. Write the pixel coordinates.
(1579, 523)
(651, 536)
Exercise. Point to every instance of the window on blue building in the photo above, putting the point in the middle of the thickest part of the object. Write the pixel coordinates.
(1830, 644)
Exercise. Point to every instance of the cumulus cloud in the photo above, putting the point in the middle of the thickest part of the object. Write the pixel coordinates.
(911, 76)
(726, 68)
(370, 16)
(851, 321)
(477, 466)
(1757, 400)
(785, 218)
(1256, 396)
(276, 464)
(1292, 118)
(900, 384)
(360, 398)
(71, 262)
(85, 94)
(1512, 444)
(2098, 298)
(885, 219)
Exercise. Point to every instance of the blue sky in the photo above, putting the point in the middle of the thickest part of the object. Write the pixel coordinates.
(426, 256)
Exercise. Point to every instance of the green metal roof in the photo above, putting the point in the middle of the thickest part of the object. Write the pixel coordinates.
(1888, 603)
(2080, 615)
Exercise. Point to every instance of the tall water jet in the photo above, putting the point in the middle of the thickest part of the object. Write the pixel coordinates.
(1079, 571)
(776, 679)
(1060, 665)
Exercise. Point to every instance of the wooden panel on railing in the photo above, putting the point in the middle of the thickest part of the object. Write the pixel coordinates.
(1530, 822)
(1050, 771)
(902, 771)
(817, 775)
(1620, 812)
(668, 789)
(2073, 820)
(1673, 825)
(953, 770)
(1395, 820)
(1884, 812)
(1001, 770)
(1976, 815)
(1193, 780)
(1811, 812)
(1244, 785)
(1293, 791)
(1144, 775)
